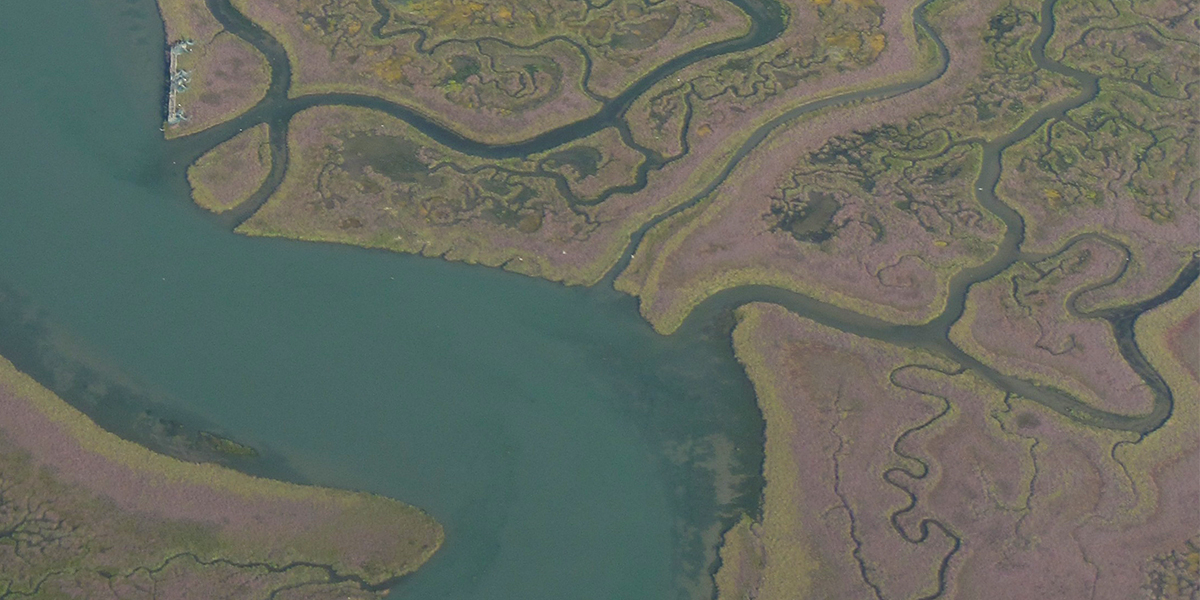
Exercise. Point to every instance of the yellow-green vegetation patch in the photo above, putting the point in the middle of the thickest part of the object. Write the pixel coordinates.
(231, 173)
(742, 562)
(224, 445)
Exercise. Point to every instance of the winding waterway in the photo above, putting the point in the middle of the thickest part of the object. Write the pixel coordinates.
(569, 450)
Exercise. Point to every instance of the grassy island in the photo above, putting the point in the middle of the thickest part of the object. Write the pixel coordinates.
(362, 177)
(229, 174)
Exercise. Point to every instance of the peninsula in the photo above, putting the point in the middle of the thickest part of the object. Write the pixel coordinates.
(85, 514)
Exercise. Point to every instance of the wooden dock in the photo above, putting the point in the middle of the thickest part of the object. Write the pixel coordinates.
(177, 82)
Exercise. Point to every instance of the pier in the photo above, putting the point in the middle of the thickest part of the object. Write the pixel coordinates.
(177, 82)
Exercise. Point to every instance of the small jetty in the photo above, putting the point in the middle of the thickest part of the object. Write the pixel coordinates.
(177, 81)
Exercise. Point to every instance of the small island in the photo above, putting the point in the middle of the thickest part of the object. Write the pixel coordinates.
(228, 175)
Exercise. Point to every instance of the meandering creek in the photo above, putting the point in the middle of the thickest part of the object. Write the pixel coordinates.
(569, 450)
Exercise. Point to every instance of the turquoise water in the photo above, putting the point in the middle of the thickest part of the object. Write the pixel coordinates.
(569, 451)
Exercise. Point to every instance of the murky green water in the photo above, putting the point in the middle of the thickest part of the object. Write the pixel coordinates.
(569, 451)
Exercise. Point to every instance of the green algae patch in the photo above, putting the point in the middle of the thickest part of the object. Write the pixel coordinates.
(87, 514)
(228, 175)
